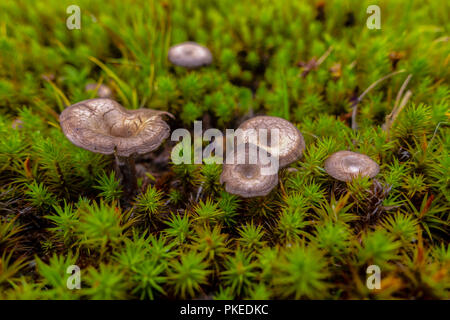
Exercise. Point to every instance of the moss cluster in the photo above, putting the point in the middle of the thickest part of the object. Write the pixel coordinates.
(183, 236)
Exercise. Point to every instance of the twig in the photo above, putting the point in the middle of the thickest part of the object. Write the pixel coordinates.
(324, 56)
(355, 103)
(436, 129)
(402, 104)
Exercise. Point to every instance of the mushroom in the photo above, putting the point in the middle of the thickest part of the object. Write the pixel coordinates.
(246, 179)
(291, 143)
(190, 55)
(104, 126)
(103, 91)
(48, 76)
(346, 165)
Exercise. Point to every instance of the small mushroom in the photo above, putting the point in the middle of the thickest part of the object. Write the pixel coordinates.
(291, 143)
(103, 91)
(17, 124)
(247, 179)
(104, 126)
(48, 76)
(346, 165)
(190, 55)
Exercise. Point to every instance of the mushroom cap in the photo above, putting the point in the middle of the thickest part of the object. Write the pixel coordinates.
(103, 91)
(17, 124)
(346, 165)
(104, 126)
(291, 142)
(190, 55)
(246, 179)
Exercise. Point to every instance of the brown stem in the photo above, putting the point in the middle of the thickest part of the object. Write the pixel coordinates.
(355, 103)
(127, 169)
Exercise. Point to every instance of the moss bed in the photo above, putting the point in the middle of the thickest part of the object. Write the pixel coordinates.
(183, 236)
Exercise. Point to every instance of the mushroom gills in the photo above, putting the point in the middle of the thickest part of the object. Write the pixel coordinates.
(104, 126)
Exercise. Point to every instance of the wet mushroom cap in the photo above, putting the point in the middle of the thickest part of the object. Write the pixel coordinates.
(247, 179)
(190, 55)
(346, 165)
(291, 142)
(103, 91)
(104, 126)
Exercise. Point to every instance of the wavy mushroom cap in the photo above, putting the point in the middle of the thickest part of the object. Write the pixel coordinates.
(346, 165)
(248, 179)
(291, 143)
(104, 126)
(190, 55)
(103, 91)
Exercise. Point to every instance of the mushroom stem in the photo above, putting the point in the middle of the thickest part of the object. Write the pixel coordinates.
(127, 169)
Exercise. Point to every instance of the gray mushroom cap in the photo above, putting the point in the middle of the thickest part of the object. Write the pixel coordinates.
(190, 55)
(104, 126)
(246, 179)
(103, 91)
(346, 165)
(291, 142)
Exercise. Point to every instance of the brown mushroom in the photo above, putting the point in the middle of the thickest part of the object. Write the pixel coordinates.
(247, 179)
(346, 165)
(17, 124)
(190, 55)
(103, 91)
(104, 126)
(291, 143)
